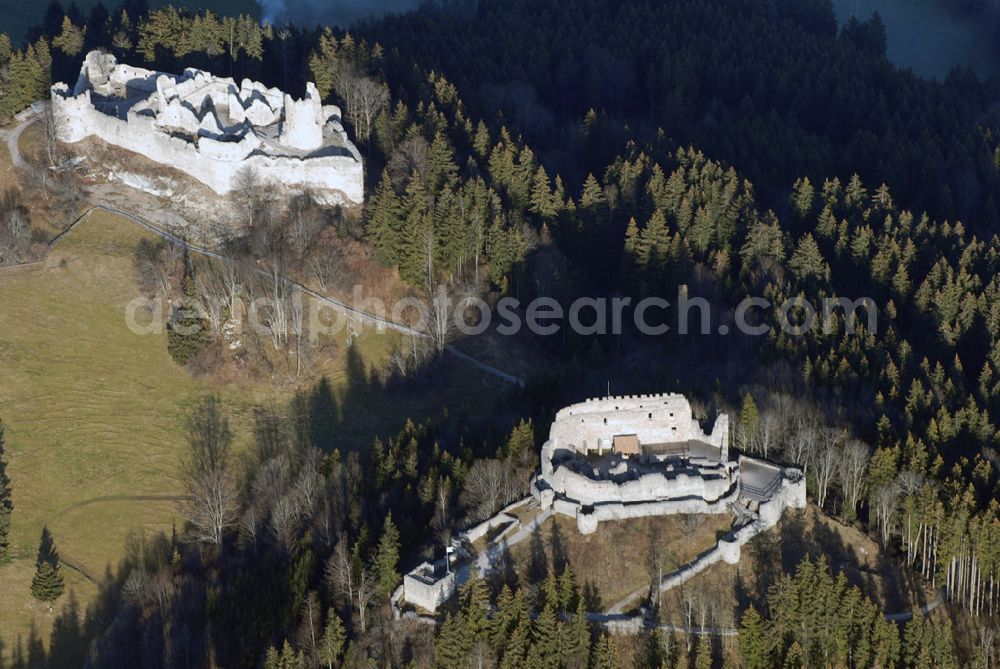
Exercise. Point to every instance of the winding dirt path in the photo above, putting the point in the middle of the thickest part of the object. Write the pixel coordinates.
(120, 498)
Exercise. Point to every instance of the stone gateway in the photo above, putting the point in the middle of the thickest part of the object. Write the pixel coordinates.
(211, 128)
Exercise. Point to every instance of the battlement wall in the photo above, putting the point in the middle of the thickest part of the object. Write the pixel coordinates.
(654, 419)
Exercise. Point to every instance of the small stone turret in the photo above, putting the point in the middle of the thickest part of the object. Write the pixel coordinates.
(302, 127)
(71, 114)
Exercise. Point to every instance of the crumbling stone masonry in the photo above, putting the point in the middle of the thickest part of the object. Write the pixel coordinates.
(645, 455)
(211, 128)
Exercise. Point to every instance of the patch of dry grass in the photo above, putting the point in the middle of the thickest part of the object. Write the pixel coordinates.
(94, 413)
(618, 558)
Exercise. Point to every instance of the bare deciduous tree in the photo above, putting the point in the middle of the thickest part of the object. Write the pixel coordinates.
(149, 587)
(339, 572)
(213, 295)
(213, 498)
(250, 195)
(151, 267)
(309, 483)
(804, 437)
(303, 222)
(329, 518)
(409, 157)
(410, 355)
(852, 473)
(213, 505)
(15, 228)
(310, 630)
(231, 276)
(325, 268)
(442, 510)
(885, 504)
(250, 523)
(488, 486)
(366, 98)
(770, 433)
(286, 515)
(441, 306)
(54, 155)
(364, 593)
(825, 460)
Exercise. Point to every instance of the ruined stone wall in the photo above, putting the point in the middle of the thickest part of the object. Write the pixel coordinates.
(213, 155)
(427, 596)
(587, 519)
(648, 487)
(666, 418)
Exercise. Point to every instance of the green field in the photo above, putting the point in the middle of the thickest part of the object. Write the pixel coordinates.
(91, 411)
(17, 17)
(94, 412)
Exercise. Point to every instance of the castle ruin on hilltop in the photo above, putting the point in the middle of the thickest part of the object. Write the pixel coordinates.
(613, 458)
(616, 458)
(211, 128)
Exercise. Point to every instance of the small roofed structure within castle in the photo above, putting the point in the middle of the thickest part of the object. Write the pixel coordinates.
(211, 128)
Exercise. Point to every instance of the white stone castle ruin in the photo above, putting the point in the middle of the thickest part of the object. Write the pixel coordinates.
(211, 128)
(616, 458)
(646, 455)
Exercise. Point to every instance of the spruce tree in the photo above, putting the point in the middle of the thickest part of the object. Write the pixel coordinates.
(70, 40)
(753, 641)
(546, 647)
(6, 50)
(452, 644)
(542, 201)
(807, 260)
(568, 591)
(802, 197)
(603, 657)
(387, 558)
(441, 167)
(6, 501)
(592, 194)
(417, 252)
(186, 331)
(577, 647)
(481, 142)
(476, 603)
(47, 585)
(503, 620)
(517, 646)
(288, 658)
(703, 659)
(749, 424)
(331, 644)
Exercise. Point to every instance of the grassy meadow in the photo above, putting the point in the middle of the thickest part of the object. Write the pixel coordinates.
(94, 414)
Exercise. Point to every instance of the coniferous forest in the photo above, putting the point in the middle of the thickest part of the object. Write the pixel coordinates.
(530, 148)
